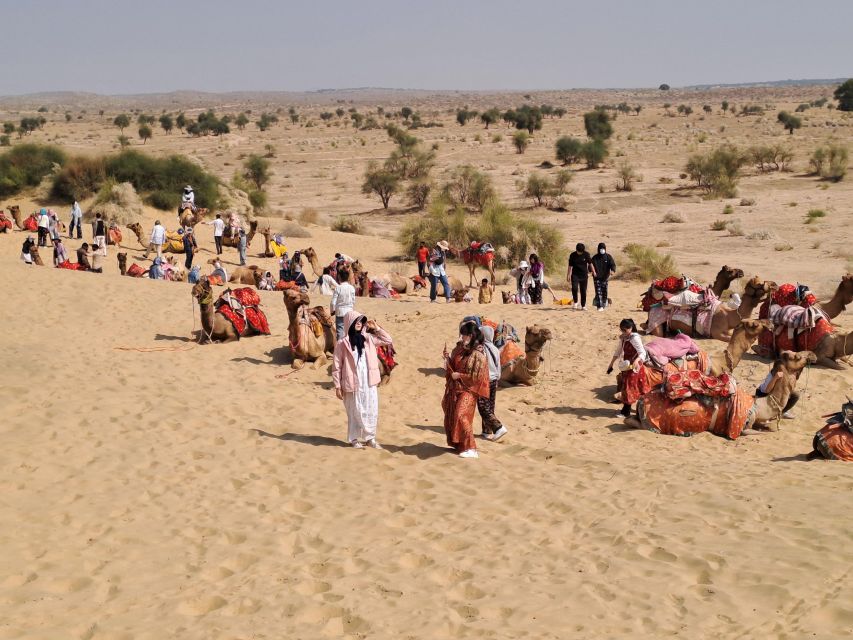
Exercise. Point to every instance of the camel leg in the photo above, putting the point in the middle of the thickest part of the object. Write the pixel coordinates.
(633, 422)
(829, 363)
(471, 272)
(319, 362)
(297, 364)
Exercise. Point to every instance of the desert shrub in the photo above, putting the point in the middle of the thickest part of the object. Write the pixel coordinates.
(144, 133)
(718, 171)
(468, 187)
(167, 123)
(728, 210)
(117, 202)
(309, 216)
(256, 170)
(844, 94)
(814, 215)
(78, 179)
(347, 224)
(161, 199)
(568, 149)
(783, 247)
(26, 165)
(836, 165)
(789, 122)
(665, 180)
(719, 225)
(122, 121)
(539, 188)
(514, 236)
(774, 157)
(594, 153)
(760, 234)
(645, 264)
(751, 110)
(497, 138)
(417, 193)
(520, 140)
(293, 230)
(747, 202)
(672, 218)
(597, 124)
(735, 229)
(5, 141)
(625, 177)
(123, 141)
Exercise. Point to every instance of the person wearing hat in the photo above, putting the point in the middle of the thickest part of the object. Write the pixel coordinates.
(190, 247)
(437, 272)
(187, 200)
(521, 274)
(603, 266)
(158, 237)
(580, 262)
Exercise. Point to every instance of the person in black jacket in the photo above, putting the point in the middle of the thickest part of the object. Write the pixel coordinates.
(603, 266)
(580, 264)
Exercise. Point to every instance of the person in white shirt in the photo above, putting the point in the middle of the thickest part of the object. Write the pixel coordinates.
(631, 354)
(76, 220)
(158, 237)
(187, 200)
(218, 229)
(325, 284)
(43, 227)
(343, 301)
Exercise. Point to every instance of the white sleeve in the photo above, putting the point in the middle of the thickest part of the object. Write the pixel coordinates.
(637, 342)
(618, 351)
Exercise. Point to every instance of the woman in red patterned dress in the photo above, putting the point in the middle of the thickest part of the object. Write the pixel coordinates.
(467, 378)
(632, 357)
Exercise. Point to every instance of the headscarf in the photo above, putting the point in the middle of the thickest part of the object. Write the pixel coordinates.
(356, 338)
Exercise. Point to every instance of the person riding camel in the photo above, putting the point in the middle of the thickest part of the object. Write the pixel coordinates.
(187, 200)
(234, 224)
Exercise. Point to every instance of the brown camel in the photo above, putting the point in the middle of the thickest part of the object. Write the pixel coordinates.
(840, 299)
(834, 347)
(725, 319)
(362, 287)
(311, 332)
(246, 275)
(266, 252)
(234, 241)
(474, 259)
(524, 370)
(743, 337)
(34, 253)
(311, 256)
(397, 282)
(122, 263)
(190, 218)
(136, 229)
(724, 279)
(15, 212)
(215, 327)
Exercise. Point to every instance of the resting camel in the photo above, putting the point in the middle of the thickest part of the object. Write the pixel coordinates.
(311, 332)
(190, 218)
(34, 253)
(396, 282)
(455, 285)
(311, 256)
(246, 275)
(743, 337)
(724, 279)
(214, 326)
(832, 348)
(473, 258)
(692, 415)
(725, 319)
(524, 370)
(173, 244)
(15, 212)
(266, 252)
(840, 299)
(234, 241)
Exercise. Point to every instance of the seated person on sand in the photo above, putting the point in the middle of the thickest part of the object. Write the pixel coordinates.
(60, 255)
(267, 282)
(156, 270)
(26, 248)
(83, 255)
(218, 273)
(97, 262)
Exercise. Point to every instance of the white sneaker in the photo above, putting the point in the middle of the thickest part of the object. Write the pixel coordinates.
(576, 306)
(604, 306)
(500, 433)
(789, 415)
(601, 308)
(356, 444)
(373, 444)
(583, 308)
(470, 453)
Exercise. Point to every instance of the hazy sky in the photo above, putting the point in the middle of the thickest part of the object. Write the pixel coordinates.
(116, 46)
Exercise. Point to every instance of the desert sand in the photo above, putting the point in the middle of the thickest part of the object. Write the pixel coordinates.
(154, 488)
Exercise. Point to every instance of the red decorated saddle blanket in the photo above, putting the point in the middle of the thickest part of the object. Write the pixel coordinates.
(684, 384)
(31, 223)
(241, 306)
(72, 266)
(726, 417)
(386, 354)
(789, 338)
(670, 285)
(135, 271)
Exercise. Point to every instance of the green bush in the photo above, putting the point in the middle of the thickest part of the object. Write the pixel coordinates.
(568, 149)
(467, 187)
(814, 214)
(597, 124)
(717, 171)
(5, 141)
(163, 199)
(80, 178)
(719, 225)
(645, 264)
(514, 236)
(258, 199)
(26, 165)
(347, 224)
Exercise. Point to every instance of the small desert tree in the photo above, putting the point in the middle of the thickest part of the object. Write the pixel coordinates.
(568, 150)
(594, 152)
(844, 95)
(144, 133)
(167, 123)
(8, 128)
(256, 170)
(181, 121)
(380, 182)
(123, 141)
(520, 139)
(490, 117)
(418, 193)
(464, 115)
(241, 121)
(625, 176)
(789, 122)
(724, 105)
(122, 121)
(406, 112)
(597, 124)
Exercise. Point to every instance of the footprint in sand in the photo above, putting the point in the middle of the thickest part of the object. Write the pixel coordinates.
(68, 585)
(201, 605)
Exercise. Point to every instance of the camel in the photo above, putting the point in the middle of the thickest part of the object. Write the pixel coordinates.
(724, 279)
(246, 275)
(843, 296)
(311, 256)
(122, 263)
(234, 241)
(455, 285)
(473, 259)
(832, 348)
(726, 319)
(311, 332)
(396, 282)
(744, 335)
(523, 371)
(15, 212)
(363, 285)
(190, 218)
(34, 253)
(267, 252)
(765, 411)
(215, 327)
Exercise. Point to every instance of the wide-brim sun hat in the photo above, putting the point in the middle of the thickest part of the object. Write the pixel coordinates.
(188, 188)
(523, 265)
(442, 244)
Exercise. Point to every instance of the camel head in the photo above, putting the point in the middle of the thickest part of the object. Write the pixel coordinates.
(796, 361)
(136, 228)
(535, 336)
(845, 289)
(201, 289)
(751, 329)
(729, 274)
(294, 298)
(506, 296)
(758, 290)
(310, 254)
(356, 268)
(257, 274)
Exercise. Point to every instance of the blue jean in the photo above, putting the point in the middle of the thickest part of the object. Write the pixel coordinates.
(339, 326)
(433, 286)
(75, 222)
(242, 251)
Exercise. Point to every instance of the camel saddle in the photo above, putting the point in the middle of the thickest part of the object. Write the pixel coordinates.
(722, 416)
(835, 440)
(241, 306)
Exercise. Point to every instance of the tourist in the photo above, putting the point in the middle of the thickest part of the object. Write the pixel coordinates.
(187, 201)
(99, 231)
(325, 284)
(43, 227)
(53, 225)
(83, 257)
(267, 282)
(356, 376)
(466, 380)
(631, 355)
(603, 266)
(76, 220)
(492, 428)
(158, 237)
(234, 224)
(219, 271)
(343, 301)
(437, 272)
(342, 258)
(536, 279)
(156, 270)
(26, 250)
(218, 228)
(190, 247)
(580, 263)
(60, 255)
(769, 383)
(97, 262)
(522, 280)
(423, 256)
(485, 294)
(242, 246)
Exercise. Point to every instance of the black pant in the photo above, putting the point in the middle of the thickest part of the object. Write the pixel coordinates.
(75, 222)
(422, 270)
(579, 284)
(218, 241)
(42, 237)
(600, 291)
(486, 406)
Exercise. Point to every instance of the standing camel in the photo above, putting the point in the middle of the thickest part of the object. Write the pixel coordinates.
(311, 333)
(473, 258)
(15, 212)
(311, 256)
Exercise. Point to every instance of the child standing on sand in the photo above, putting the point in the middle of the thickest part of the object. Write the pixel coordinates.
(485, 295)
